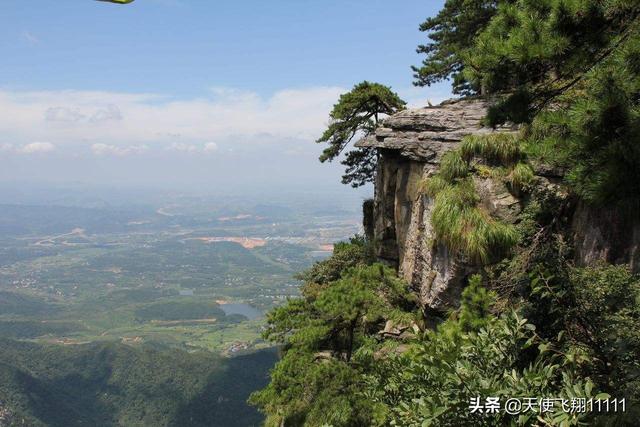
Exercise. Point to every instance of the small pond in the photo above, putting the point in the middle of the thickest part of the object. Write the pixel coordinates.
(241, 308)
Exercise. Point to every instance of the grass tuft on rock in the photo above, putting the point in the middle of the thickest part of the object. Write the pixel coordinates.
(458, 220)
(463, 226)
(453, 166)
(433, 185)
(520, 177)
(496, 148)
(469, 229)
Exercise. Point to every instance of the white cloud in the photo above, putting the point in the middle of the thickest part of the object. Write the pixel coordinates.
(63, 114)
(71, 119)
(182, 147)
(37, 147)
(110, 112)
(118, 124)
(101, 149)
(210, 147)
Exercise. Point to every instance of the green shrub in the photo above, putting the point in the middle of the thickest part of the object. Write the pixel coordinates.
(328, 345)
(598, 310)
(471, 355)
(357, 251)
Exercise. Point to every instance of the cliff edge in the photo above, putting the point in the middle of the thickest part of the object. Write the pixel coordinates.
(410, 145)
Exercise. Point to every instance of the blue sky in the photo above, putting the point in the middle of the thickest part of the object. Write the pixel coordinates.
(104, 82)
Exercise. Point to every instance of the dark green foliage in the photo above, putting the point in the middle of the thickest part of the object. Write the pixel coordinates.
(597, 311)
(117, 385)
(581, 339)
(571, 66)
(357, 113)
(475, 305)
(452, 32)
(476, 356)
(605, 138)
(37, 328)
(356, 252)
(595, 137)
(360, 166)
(541, 47)
(515, 108)
(308, 390)
(24, 305)
(327, 344)
(569, 72)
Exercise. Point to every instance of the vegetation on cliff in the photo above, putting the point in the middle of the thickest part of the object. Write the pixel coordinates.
(451, 34)
(569, 70)
(356, 352)
(459, 220)
(328, 341)
(358, 113)
(476, 354)
(531, 324)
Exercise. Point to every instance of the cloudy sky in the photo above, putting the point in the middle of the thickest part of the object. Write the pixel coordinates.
(191, 93)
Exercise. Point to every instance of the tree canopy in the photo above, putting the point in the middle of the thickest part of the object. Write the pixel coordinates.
(357, 113)
(327, 340)
(452, 33)
(568, 69)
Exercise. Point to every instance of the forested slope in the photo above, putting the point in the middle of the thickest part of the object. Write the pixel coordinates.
(115, 384)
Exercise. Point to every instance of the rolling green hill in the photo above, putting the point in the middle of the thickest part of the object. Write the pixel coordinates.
(110, 384)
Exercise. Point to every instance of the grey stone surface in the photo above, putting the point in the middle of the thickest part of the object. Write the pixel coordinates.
(404, 237)
(424, 134)
(411, 144)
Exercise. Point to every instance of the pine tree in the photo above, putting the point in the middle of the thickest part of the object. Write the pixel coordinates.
(537, 51)
(571, 68)
(326, 338)
(358, 112)
(452, 32)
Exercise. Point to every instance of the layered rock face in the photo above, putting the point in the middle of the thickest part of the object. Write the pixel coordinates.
(410, 145)
(424, 134)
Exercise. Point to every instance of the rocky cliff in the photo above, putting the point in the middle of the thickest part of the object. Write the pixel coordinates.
(410, 145)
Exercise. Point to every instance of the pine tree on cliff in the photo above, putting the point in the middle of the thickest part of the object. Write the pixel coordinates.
(571, 70)
(568, 68)
(452, 32)
(357, 113)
